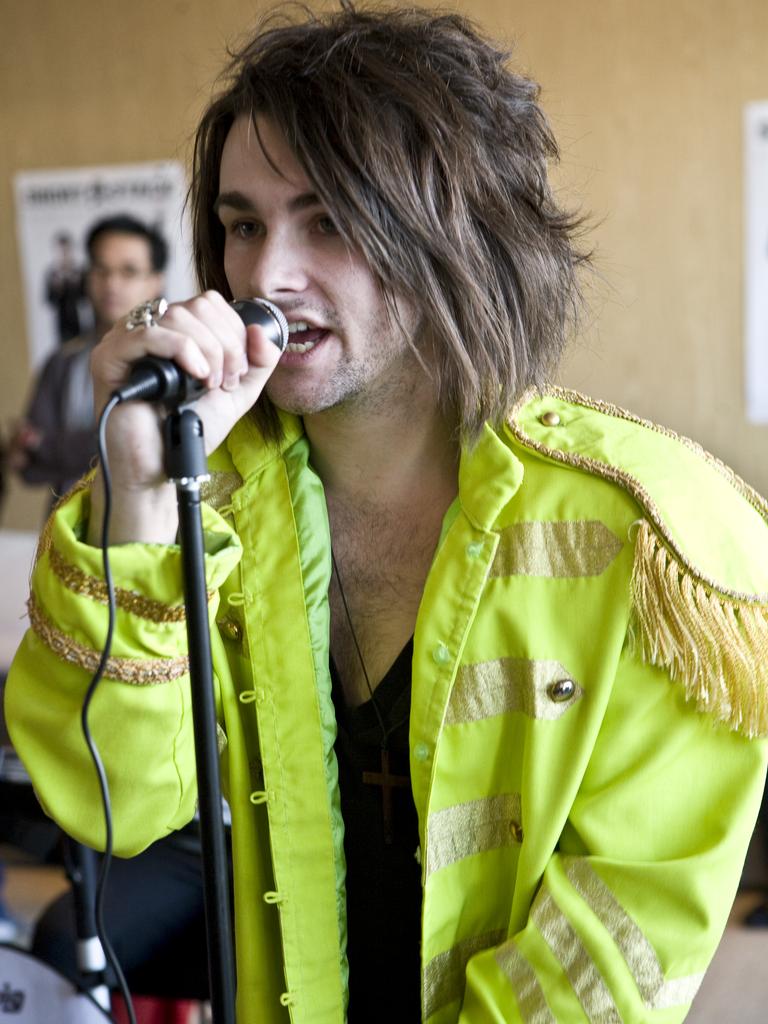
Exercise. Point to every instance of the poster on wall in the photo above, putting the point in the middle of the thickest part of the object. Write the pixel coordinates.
(756, 290)
(55, 210)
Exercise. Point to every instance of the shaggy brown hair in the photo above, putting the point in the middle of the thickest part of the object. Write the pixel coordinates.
(431, 157)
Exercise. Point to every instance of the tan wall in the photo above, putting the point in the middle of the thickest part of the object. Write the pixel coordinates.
(646, 99)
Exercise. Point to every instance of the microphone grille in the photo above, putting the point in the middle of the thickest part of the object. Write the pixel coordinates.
(279, 316)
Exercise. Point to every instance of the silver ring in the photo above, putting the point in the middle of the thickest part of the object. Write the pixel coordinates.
(146, 315)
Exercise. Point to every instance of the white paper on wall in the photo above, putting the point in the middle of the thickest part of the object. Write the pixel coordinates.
(756, 278)
(55, 210)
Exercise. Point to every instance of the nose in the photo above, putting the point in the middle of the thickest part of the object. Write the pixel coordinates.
(279, 269)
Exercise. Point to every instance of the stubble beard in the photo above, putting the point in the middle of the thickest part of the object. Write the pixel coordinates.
(381, 383)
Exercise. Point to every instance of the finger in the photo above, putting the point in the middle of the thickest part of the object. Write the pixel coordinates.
(193, 322)
(263, 359)
(212, 309)
(264, 356)
(261, 350)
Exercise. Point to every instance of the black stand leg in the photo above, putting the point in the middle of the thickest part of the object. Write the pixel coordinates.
(81, 863)
(186, 466)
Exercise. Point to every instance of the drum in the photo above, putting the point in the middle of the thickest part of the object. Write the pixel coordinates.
(31, 992)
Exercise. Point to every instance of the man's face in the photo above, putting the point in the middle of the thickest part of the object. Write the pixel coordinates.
(120, 276)
(282, 245)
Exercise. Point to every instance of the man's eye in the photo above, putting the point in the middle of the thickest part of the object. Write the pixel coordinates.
(326, 226)
(244, 229)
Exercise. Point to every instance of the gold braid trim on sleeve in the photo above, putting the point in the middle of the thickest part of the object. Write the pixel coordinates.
(717, 647)
(90, 586)
(136, 671)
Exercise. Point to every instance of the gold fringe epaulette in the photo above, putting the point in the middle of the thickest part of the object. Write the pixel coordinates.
(711, 638)
(714, 645)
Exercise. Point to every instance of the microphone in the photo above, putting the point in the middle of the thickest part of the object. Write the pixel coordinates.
(153, 379)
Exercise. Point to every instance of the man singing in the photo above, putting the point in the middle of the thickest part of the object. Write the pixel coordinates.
(487, 678)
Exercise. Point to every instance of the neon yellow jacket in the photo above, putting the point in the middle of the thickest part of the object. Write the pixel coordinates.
(589, 672)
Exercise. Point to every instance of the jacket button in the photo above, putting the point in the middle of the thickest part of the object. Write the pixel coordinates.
(441, 654)
(421, 751)
(475, 549)
(232, 630)
(550, 419)
(562, 690)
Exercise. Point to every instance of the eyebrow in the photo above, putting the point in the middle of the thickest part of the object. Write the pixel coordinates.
(239, 201)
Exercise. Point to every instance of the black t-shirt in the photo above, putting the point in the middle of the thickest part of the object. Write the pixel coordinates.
(383, 879)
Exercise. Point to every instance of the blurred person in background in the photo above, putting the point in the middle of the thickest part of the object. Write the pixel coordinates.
(56, 440)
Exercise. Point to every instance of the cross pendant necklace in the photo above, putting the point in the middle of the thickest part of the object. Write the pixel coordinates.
(384, 778)
(387, 782)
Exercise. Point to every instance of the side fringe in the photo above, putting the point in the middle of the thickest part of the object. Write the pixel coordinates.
(715, 646)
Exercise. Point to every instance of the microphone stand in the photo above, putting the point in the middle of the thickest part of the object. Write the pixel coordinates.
(81, 866)
(186, 466)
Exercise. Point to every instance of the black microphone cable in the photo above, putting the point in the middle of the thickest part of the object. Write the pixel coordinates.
(106, 860)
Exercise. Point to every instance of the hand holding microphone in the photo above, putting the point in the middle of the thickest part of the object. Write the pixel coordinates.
(216, 353)
(155, 379)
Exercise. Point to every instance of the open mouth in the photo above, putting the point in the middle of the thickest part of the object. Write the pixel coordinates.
(302, 337)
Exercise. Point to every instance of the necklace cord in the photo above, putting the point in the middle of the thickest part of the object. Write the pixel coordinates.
(385, 733)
